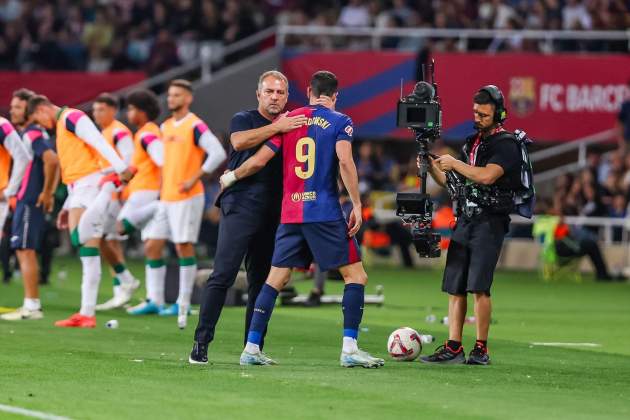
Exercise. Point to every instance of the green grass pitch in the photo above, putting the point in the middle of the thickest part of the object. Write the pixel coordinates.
(140, 370)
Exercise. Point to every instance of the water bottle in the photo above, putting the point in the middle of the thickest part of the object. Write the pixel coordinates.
(426, 338)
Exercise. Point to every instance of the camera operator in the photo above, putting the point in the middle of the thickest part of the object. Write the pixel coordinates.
(491, 166)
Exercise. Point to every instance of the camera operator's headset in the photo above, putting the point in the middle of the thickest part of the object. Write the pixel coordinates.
(500, 113)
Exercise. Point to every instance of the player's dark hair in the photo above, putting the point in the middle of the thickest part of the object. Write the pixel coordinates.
(107, 99)
(483, 98)
(35, 101)
(181, 83)
(324, 83)
(146, 101)
(23, 94)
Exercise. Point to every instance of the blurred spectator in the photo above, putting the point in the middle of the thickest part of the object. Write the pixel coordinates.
(623, 123)
(355, 14)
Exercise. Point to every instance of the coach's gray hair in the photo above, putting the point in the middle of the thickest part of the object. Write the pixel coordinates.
(273, 73)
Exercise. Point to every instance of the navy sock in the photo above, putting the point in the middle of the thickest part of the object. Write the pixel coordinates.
(262, 313)
(352, 307)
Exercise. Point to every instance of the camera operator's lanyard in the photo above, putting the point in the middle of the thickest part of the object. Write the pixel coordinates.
(475, 147)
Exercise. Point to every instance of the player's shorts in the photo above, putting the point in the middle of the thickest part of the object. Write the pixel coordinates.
(473, 254)
(4, 213)
(327, 243)
(27, 229)
(82, 192)
(179, 221)
(111, 216)
(133, 208)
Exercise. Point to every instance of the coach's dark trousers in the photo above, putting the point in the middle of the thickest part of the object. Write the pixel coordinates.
(247, 231)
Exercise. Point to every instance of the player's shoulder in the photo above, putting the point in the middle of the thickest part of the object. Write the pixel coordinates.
(34, 132)
(119, 127)
(5, 126)
(149, 128)
(304, 110)
(246, 114)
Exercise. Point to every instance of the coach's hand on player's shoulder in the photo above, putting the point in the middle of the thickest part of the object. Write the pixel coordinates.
(354, 221)
(45, 201)
(62, 219)
(284, 123)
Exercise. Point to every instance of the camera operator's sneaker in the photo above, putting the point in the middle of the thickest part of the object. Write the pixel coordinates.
(478, 356)
(359, 358)
(259, 358)
(199, 354)
(444, 355)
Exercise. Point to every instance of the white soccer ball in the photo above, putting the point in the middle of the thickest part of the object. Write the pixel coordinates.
(404, 344)
(112, 323)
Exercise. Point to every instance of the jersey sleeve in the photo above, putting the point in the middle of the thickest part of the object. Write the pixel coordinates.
(124, 145)
(345, 130)
(37, 142)
(241, 121)
(274, 143)
(205, 139)
(21, 158)
(153, 145)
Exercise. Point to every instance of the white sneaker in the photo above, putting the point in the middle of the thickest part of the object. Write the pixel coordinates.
(358, 358)
(22, 314)
(122, 295)
(182, 316)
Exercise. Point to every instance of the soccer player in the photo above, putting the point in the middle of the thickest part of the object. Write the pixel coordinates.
(34, 199)
(187, 140)
(312, 222)
(104, 110)
(79, 144)
(144, 190)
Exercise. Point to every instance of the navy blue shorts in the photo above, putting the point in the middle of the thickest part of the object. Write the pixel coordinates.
(298, 244)
(28, 226)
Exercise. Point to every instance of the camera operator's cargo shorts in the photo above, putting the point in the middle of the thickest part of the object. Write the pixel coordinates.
(473, 254)
(298, 244)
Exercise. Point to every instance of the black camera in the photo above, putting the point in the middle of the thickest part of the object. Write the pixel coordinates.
(421, 112)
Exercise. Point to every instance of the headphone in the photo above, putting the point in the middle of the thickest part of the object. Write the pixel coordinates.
(500, 113)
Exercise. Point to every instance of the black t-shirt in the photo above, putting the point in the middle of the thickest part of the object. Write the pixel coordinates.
(265, 185)
(500, 149)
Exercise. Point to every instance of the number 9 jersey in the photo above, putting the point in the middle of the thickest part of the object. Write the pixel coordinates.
(310, 165)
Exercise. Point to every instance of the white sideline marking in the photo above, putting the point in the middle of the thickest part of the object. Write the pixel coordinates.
(567, 344)
(30, 413)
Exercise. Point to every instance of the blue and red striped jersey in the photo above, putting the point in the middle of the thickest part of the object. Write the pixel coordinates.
(310, 165)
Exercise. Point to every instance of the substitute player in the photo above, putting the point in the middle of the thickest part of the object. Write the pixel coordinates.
(144, 191)
(34, 199)
(104, 110)
(79, 144)
(187, 140)
(17, 108)
(312, 223)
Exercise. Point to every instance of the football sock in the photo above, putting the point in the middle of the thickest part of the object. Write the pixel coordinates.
(262, 313)
(454, 345)
(91, 277)
(187, 273)
(155, 272)
(481, 343)
(352, 307)
(123, 275)
(32, 304)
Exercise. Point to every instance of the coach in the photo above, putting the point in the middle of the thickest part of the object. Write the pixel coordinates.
(250, 211)
(491, 163)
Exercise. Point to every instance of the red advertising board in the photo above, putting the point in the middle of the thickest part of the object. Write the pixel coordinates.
(65, 88)
(553, 97)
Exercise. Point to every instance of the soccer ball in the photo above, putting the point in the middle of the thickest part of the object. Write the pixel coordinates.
(404, 344)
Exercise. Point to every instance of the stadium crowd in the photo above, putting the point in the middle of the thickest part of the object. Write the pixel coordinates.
(156, 35)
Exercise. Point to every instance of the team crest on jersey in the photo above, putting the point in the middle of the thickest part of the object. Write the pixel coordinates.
(349, 130)
(296, 197)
